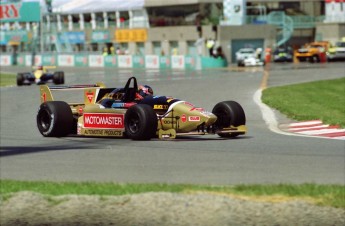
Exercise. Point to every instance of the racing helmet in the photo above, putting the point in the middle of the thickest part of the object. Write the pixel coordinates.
(145, 90)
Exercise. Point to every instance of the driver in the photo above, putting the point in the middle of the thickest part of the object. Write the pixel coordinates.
(143, 91)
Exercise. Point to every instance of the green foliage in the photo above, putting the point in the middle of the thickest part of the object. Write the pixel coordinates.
(324, 100)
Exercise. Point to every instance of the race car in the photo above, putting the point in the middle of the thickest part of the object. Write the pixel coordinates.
(40, 75)
(248, 57)
(115, 112)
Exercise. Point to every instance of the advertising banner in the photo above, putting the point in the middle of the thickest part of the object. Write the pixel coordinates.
(81, 60)
(3, 40)
(15, 36)
(37, 60)
(131, 35)
(125, 61)
(5, 60)
(96, 61)
(335, 11)
(100, 37)
(20, 12)
(177, 62)
(234, 12)
(164, 62)
(110, 61)
(21, 60)
(72, 37)
(190, 62)
(152, 61)
(138, 62)
(66, 60)
(49, 59)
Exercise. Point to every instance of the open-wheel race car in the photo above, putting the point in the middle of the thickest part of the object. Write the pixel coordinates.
(117, 112)
(40, 75)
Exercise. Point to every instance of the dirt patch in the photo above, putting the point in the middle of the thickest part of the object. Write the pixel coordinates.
(28, 208)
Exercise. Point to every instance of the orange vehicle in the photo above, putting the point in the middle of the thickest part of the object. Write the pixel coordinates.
(313, 52)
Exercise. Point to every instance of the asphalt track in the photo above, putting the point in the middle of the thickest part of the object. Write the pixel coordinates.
(262, 156)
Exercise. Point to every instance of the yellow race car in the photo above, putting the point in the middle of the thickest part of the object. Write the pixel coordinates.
(117, 112)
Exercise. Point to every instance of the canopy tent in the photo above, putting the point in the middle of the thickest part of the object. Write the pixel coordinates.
(88, 6)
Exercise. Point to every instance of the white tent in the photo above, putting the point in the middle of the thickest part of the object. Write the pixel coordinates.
(88, 6)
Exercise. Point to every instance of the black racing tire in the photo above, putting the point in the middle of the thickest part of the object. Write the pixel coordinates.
(55, 119)
(141, 122)
(229, 113)
(20, 79)
(240, 63)
(59, 77)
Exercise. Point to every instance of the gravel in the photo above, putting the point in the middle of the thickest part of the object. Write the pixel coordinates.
(160, 208)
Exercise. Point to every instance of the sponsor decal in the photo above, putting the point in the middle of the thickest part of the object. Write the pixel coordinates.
(196, 109)
(194, 118)
(102, 132)
(158, 106)
(90, 95)
(183, 118)
(206, 113)
(44, 96)
(103, 120)
(189, 104)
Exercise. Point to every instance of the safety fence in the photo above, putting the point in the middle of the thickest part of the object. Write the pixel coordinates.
(115, 61)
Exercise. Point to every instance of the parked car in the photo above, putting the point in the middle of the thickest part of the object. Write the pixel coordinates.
(248, 57)
(313, 51)
(337, 52)
(283, 54)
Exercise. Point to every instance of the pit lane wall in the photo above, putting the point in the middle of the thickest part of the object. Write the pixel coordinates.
(183, 62)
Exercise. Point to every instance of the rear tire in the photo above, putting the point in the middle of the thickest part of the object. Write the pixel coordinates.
(141, 122)
(20, 79)
(55, 119)
(229, 113)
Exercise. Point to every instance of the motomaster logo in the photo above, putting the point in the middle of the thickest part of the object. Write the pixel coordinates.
(103, 121)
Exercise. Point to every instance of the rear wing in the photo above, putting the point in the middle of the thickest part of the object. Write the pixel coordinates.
(90, 91)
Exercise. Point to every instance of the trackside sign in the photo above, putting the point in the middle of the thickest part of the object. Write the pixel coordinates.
(20, 12)
(103, 120)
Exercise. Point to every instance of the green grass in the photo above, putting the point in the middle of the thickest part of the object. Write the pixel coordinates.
(325, 195)
(324, 100)
(7, 79)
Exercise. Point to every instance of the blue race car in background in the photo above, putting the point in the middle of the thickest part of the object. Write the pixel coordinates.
(40, 75)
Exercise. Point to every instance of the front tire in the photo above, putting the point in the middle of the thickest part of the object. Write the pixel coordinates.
(141, 122)
(55, 119)
(229, 113)
(59, 77)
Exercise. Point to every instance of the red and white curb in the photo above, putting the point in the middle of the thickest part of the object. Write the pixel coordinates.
(314, 128)
(317, 128)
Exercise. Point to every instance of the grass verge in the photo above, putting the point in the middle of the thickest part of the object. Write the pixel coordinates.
(324, 100)
(325, 195)
(7, 79)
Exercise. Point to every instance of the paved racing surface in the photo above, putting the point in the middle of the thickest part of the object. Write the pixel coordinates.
(261, 156)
